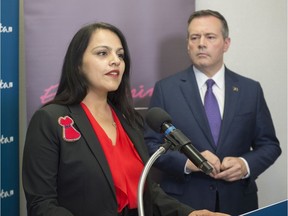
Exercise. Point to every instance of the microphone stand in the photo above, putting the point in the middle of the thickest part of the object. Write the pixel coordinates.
(162, 150)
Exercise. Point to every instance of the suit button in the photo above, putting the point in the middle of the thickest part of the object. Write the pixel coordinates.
(212, 187)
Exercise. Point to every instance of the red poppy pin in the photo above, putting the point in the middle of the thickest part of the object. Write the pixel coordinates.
(70, 134)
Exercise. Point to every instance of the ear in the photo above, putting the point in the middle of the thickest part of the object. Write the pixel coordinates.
(227, 42)
(187, 42)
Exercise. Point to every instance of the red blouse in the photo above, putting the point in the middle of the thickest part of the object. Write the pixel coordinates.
(125, 164)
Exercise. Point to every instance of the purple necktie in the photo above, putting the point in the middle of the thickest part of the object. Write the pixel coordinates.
(212, 111)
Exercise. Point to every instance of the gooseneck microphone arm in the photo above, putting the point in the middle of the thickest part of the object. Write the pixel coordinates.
(160, 122)
(147, 167)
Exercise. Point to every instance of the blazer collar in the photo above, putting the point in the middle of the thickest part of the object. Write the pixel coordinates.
(190, 91)
(232, 92)
(84, 126)
(135, 135)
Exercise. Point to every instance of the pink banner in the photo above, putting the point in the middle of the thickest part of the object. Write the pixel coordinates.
(155, 32)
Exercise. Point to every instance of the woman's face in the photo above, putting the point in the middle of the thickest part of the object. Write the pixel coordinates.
(103, 64)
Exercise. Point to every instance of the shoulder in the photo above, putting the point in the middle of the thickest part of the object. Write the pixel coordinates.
(55, 108)
(50, 112)
(178, 76)
(240, 78)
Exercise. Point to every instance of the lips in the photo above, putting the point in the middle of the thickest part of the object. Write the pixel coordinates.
(113, 73)
(202, 54)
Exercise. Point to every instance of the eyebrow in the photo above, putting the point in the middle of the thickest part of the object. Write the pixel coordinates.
(106, 47)
(208, 33)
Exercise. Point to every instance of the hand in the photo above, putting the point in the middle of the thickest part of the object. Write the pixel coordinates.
(206, 213)
(211, 158)
(232, 169)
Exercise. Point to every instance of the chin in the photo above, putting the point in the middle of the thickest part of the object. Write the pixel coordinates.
(201, 66)
(112, 89)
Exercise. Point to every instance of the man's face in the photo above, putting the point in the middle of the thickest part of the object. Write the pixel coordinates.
(206, 45)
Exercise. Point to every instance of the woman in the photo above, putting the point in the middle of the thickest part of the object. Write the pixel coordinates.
(84, 150)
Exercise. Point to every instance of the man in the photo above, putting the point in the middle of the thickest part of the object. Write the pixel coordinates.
(244, 143)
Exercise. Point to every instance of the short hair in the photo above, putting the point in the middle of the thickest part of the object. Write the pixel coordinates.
(205, 13)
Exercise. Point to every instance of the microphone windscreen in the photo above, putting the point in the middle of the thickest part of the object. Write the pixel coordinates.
(155, 118)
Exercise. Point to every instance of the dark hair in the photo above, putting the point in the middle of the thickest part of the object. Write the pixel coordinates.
(203, 13)
(73, 84)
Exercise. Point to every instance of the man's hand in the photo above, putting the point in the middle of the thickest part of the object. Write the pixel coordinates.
(232, 169)
(206, 213)
(211, 158)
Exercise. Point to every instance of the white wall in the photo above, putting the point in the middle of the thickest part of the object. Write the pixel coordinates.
(258, 31)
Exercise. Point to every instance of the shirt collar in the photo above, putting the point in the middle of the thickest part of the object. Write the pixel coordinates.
(218, 78)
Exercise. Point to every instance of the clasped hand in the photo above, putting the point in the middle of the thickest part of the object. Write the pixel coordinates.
(206, 213)
(230, 169)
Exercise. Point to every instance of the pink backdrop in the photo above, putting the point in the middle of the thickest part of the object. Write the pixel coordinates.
(155, 31)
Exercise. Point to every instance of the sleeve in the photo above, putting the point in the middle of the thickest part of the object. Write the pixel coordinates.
(155, 140)
(40, 167)
(266, 147)
(166, 205)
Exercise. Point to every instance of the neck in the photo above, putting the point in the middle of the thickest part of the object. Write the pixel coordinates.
(96, 103)
(209, 71)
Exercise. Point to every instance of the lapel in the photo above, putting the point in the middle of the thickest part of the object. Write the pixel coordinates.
(84, 126)
(190, 91)
(232, 92)
(136, 136)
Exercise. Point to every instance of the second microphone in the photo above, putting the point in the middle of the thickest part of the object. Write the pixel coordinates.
(161, 122)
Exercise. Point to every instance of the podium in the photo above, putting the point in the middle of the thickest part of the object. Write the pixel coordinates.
(277, 209)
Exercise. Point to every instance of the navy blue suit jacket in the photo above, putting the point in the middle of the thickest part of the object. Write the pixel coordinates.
(247, 131)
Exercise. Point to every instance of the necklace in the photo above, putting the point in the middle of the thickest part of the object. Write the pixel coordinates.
(105, 120)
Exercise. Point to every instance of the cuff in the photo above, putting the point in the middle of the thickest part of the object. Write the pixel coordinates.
(186, 170)
(247, 167)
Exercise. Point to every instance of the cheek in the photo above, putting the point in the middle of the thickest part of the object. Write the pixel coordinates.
(192, 52)
(190, 47)
(85, 68)
(216, 49)
(92, 69)
(122, 68)
(225, 48)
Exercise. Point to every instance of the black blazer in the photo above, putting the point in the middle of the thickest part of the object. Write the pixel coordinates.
(64, 178)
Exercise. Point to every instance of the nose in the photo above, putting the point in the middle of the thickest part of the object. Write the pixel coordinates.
(202, 42)
(115, 59)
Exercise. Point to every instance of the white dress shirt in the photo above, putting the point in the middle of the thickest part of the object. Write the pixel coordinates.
(219, 91)
(218, 88)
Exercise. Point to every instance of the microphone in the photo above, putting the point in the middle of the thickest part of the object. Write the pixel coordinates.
(161, 122)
